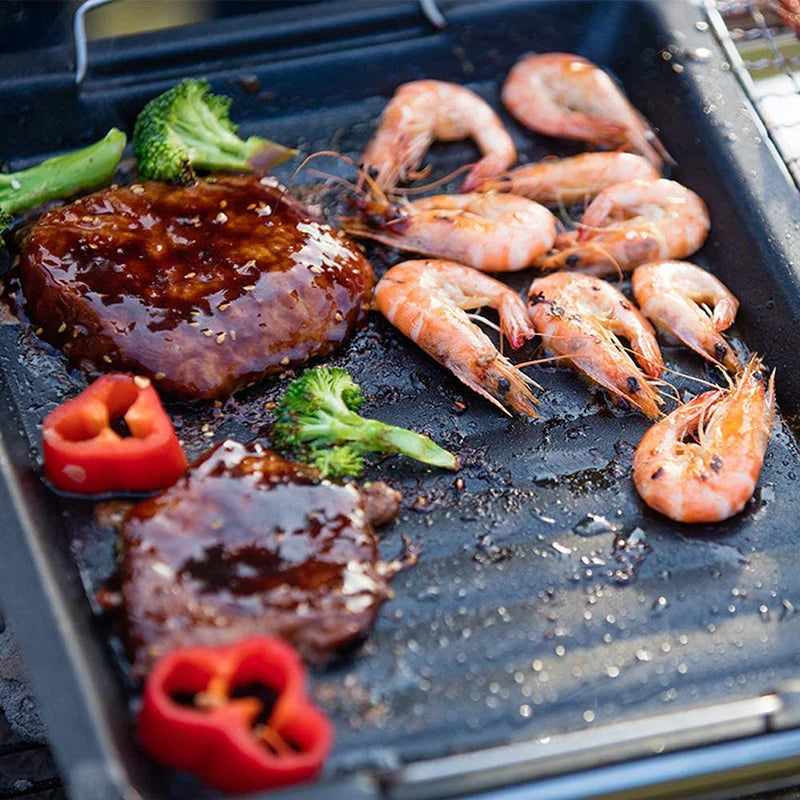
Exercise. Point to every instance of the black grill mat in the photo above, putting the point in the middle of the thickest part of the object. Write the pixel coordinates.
(547, 598)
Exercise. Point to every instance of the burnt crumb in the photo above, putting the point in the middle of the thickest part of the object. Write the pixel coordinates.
(250, 83)
(556, 310)
(657, 474)
(381, 502)
(572, 260)
(702, 477)
(716, 463)
(503, 385)
(625, 304)
(720, 351)
(633, 384)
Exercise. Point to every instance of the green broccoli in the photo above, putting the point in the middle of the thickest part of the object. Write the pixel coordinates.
(61, 176)
(318, 410)
(187, 128)
(337, 462)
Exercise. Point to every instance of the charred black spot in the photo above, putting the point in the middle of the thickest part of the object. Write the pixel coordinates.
(503, 385)
(720, 351)
(625, 304)
(633, 384)
(374, 220)
(572, 260)
(537, 298)
(715, 463)
(556, 310)
(703, 477)
(759, 376)
(371, 171)
(658, 473)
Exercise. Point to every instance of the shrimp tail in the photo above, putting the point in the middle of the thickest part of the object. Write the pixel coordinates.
(725, 313)
(511, 386)
(490, 166)
(515, 323)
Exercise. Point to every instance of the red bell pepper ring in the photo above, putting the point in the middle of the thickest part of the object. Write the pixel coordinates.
(202, 712)
(84, 454)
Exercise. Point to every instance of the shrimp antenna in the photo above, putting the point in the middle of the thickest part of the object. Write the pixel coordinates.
(617, 266)
(309, 158)
(547, 359)
(563, 212)
(702, 381)
(363, 175)
(414, 190)
(339, 181)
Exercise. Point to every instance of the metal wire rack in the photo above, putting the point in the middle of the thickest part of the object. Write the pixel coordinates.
(765, 52)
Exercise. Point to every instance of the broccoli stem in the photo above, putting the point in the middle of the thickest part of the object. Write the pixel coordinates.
(373, 436)
(63, 176)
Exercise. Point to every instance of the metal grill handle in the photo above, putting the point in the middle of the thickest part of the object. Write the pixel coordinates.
(428, 7)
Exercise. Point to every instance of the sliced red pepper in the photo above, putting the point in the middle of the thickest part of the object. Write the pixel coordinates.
(83, 453)
(204, 711)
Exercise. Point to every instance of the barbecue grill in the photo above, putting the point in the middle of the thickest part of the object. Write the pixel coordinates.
(556, 638)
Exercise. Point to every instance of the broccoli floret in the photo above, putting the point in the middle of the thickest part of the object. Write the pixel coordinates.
(337, 462)
(61, 176)
(187, 128)
(318, 410)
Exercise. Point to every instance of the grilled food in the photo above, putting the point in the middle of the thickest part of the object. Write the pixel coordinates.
(204, 288)
(250, 543)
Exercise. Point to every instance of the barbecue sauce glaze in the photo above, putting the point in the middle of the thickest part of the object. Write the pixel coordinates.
(248, 543)
(203, 288)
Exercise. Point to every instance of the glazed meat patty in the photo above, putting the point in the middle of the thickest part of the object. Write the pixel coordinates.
(249, 543)
(203, 288)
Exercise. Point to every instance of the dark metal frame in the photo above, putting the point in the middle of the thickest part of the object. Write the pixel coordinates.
(703, 752)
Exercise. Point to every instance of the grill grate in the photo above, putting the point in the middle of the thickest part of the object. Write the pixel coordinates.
(765, 52)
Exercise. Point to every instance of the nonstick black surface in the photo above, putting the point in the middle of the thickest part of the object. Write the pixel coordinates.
(547, 597)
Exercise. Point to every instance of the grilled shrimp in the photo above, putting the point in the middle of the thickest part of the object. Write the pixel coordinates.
(561, 94)
(631, 223)
(555, 181)
(690, 304)
(491, 232)
(702, 462)
(426, 300)
(424, 111)
(581, 317)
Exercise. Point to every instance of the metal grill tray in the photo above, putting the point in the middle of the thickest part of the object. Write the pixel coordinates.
(517, 630)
